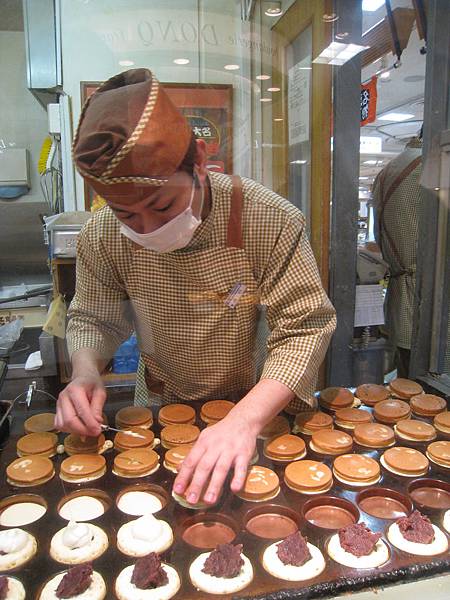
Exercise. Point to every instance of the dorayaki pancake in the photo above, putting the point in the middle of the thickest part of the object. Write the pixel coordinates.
(350, 417)
(137, 438)
(37, 443)
(439, 452)
(310, 422)
(134, 416)
(335, 398)
(82, 466)
(308, 476)
(277, 426)
(260, 484)
(374, 435)
(30, 470)
(177, 435)
(442, 422)
(75, 444)
(215, 410)
(176, 414)
(285, 448)
(40, 423)
(331, 441)
(405, 388)
(391, 411)
(413, 430)
(405, 461)
(371, 393)
(356, 468)
(427, 405)
(136, 463)
(173, 459)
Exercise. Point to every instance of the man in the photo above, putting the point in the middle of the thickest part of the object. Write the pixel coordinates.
(184, 256)
(397, 202)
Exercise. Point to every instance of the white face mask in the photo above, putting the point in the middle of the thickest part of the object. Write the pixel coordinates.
(173, 235)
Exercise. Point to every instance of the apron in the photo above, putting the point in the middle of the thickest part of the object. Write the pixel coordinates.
(201, 333)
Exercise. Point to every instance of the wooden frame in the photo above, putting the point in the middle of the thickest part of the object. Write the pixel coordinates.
(208, 107)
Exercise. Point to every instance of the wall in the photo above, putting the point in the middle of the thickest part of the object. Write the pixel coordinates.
(23, 121)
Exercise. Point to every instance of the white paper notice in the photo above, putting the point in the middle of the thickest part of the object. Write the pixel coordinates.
(369, 305)
(299, 84)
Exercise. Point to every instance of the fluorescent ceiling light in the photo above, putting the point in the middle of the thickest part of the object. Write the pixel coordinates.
(181, 61)
(395, 116)
(265, 99)
(372, 5)
(338, 54)
(231, 67)
(273, 9)
(273, 89)
(263, 77)
(370, 162)
(361, 178)
(298, 162)
(126, 63)
(278, 119)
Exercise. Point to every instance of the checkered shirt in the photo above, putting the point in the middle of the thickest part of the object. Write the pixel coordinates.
(189, 339)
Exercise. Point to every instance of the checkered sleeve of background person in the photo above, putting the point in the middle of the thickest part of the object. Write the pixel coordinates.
(300, 316)
(99, 314)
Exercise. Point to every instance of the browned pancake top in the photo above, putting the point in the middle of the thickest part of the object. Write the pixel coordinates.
(175, 456)
(133, 415)
(143, 437)
(331, 440)
(260, 481)
(428, 404)
(79, 445)
(374, 434)
(443, 419)
(314, 421)
(336, 397)
(29, 469)
(416, 429)
(82, 465)
(285, 446)
(309, 474)
(40, 423)
(136, 460)
(405, 460)
(440, 451)
(353, 415)
(215, 410)
(176, 414)
(277, 426)
(391, 410)
(37, 443)
(177, 435)
(356, 467)
(405, 387)
(371, 393)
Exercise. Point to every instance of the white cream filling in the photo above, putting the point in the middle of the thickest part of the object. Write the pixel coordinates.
(18, 557)
(13, 540)
(378, 556)
(273, 565)
(144, 535)
(446, 521)
(437, 546)
(219, 585)
(82, 508)
(76, 535)
(21, 513)
(126, 590)
(62, 553)
(139, 503)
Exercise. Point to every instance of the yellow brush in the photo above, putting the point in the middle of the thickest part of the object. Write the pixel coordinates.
(43, 157)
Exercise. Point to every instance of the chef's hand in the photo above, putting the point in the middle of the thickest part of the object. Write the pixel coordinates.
(80, 404)
(230, 444)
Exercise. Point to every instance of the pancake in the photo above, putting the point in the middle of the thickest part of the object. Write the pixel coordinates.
(334, 398)
(310, 569)
(137, 438)
(371, 393)
(178, 435)
(405, 388)
(125, 590)
(356, 470)
(412, 430)
(76, 444)
(260, 484)
(174, 457)
(81, 468)
(308, 477)
(16, 548)
(439, 453)
(378, 556)
(215, 410)
(348, 418)
(405, 461)
(144, 535)
(96, 591)
(219, 585)
(331, 442)
(391, 411)
(134, 416)
(437, 546)
(40, 423)
(285, 448)
(176, 414)
(279, 425)
(43, 444)
(138, 462)
(308, 423)
(374, 435)
(442, 422)
(16, 591)
(427, 405)
(77, 543)
(29, 471)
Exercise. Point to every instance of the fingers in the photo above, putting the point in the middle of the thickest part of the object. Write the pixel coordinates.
(70, 420)
(97, 401)
(218, 477)
(240, 473)
(84, 412)
(187, 468)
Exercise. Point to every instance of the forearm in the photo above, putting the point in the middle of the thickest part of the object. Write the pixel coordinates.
(262, 403)
(87, 361)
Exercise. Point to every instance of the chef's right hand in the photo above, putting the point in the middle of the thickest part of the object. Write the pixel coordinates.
(80, 404)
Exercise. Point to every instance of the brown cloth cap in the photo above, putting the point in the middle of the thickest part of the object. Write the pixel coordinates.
(130, 136)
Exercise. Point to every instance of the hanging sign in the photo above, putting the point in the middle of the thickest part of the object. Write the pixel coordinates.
(368, 102)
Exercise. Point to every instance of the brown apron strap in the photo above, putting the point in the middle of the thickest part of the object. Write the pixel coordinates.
(385, 199)
(234, 231)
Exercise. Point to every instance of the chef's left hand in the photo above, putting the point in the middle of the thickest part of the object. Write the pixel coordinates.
(229, 444)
